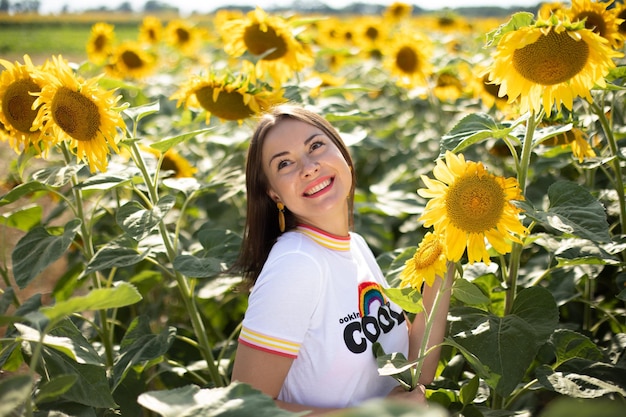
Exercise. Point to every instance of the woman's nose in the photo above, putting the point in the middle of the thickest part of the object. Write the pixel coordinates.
(309, 167)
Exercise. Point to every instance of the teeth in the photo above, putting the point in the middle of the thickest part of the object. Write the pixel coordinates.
(318, 187)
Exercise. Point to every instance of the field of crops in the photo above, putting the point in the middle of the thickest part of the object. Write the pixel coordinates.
(122, 200)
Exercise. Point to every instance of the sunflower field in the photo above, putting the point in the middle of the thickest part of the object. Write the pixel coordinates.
(497, 144)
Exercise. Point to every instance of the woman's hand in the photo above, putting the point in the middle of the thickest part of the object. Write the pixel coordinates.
(418, 395)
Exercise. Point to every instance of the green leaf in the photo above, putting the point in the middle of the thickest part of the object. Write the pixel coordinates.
(24, 218)
(469, 390)
(138, 222)
(408, 299)
(468, 293)
(472, 129)
(395, 365)
(91, 387)
(122, 295)
(139, 112)
(194, 267)
(68, 341)
(53, 389)
(14, 391)
(235, 400)
(577, 385)
(38, 249)
(569, 345)
(574, 211)
(166, 144)
(57, 176)
(20, 191)
(575, 407)
(507, 345)
(140, 346)
(517, 21)
(104, 182)
(114, 255)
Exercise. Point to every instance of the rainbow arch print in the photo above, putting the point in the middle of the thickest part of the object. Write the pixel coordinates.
(370, 293)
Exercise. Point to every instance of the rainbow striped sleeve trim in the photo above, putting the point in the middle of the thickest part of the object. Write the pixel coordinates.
(269, 344)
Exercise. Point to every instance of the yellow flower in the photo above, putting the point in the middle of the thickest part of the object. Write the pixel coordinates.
(226, 97)
(270, 40)
(428, 263)
(408, 59)
(151, 30)
(183, 36)
(397, 11)
(129, 60)
(100, 43)
(598, 19)
(550, 63)
(576, 139)
(174, 162)
(468, 205)
(16, 104)
(80, 112)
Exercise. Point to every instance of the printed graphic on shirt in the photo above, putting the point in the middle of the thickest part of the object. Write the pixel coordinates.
(374, 319)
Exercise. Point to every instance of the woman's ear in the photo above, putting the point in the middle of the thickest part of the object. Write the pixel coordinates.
(273, 195)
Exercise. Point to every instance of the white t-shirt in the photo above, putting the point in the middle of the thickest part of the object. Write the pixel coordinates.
(318, 300)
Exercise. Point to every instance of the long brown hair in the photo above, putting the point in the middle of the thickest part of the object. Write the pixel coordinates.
(261, 229)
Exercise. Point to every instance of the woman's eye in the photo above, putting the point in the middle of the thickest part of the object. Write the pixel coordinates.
(282, 164)
(316, 145)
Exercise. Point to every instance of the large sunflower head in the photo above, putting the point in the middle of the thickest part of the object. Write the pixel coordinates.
(182, 35)
(469, 206)
(549, 62)
(428, 263)
(130, 60)
(226, 97)
(17, 84)
(80, 112)
(270, 40)
(100, 43)
(408, 59)
(151, 30)
(599, 19)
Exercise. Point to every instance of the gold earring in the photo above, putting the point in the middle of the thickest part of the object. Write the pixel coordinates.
(281, 216)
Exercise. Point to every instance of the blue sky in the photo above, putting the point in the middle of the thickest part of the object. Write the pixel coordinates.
(187, 6)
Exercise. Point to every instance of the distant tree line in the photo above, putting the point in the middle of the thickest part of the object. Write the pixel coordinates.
(154, 6)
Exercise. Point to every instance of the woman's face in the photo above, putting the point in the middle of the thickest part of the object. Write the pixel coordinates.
(308, 174)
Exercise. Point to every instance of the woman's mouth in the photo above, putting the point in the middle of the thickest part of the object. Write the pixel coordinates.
(318, 187)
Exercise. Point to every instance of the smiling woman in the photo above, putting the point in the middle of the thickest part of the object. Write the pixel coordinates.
(318, 305)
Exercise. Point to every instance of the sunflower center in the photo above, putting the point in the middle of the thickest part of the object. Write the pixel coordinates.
(100, 42)
(372, 33)
(552, 59)
(407, 60)
(76, 114)
(260, 42)
(132, 60)
(475, 203)
(182, 35)
(594, 22)
(427, 254)
(229, 104)
(17, 104)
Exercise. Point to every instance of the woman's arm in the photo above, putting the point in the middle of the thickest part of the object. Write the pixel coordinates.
(438, 330)
(267, 372)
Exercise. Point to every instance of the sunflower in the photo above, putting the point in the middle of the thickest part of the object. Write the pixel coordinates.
(576, 140)
(546, 10)
(226, 97)
(182, 35)
(397, 11)
(550, 62)
(468, 205)
(17, 84)
(129, 60)
(174, 162)
(151, 30)
(620, 13)
(408, 59)
(428, 263)
(270, 40)
(100, 43)
(598, 18)
(78, 111)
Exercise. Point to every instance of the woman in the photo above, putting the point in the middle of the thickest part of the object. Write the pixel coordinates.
(316, 306)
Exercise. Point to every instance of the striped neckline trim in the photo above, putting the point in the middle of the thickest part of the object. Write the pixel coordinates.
(338, 243)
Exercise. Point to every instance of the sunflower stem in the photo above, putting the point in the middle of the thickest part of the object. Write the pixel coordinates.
(88, 251)
(183, 286)
(522, 178)
(619, 182)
